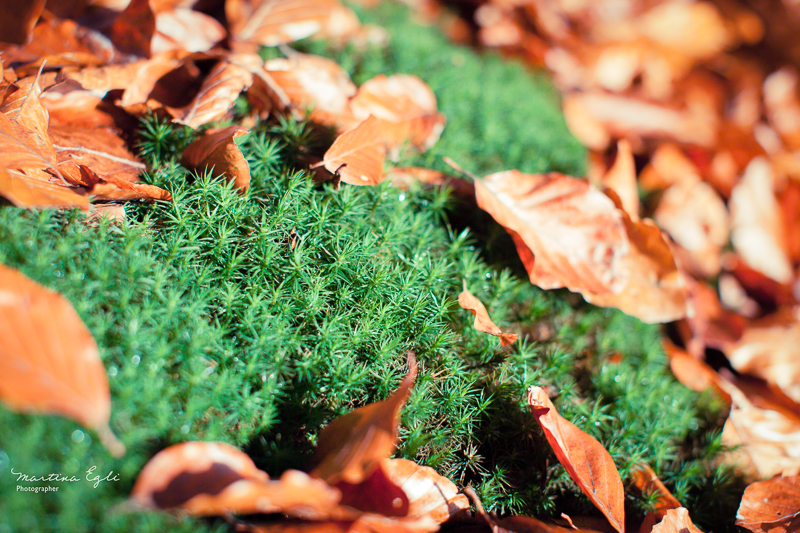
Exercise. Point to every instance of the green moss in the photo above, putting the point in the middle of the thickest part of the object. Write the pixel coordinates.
(255, 319)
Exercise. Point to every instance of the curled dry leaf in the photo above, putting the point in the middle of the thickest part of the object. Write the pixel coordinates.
(19, 149)
(655, 290)
(757, 230)
(214, 479)
(309, 82)
(676, 521)
(217, 95)
(182, 28)
(352, 444)
(357, 156)
(648, 483)
(50, 362)
(567, 233)
(17, 19)
(217, 149)
(255, 23)
(585, 459)
(483, 323)
(133, 30)
(405, 101)
(621, 178)
(768, 349)
(771, 506)
(429, 493)
(24, 108)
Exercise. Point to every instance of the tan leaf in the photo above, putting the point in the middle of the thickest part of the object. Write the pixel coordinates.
(757, 230)
(655, 290)
(214, 479)
(482, 321)
(429, 493)
(24, 108)
(111, 187)
(771, 506)
(568, 234)
(256, 23)
(217, 95)
(585, 459)
(24, 191)
(357, 156)
(17, 19)
(405, 99)
(182, 28)
(352, 444)
(217, 149)
(50, 362)
(676, 521)
(315, 83)
(768, 350)
(621, 178)
(19, 148)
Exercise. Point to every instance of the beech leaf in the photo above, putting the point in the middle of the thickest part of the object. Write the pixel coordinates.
(17, 19)
(482, 321)
(357, 156)
(216, 97)
(214, 479)
(649, 485)
(771, 506)
(567, 233)
(352, 444)
(676, 521)
(24, 191)
(586, 460)
(49, 361)
(217, 149)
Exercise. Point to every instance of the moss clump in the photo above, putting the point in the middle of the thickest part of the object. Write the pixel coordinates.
(254, 319)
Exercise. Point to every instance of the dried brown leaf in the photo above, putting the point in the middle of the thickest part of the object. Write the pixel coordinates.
(217, 95)
(352, 444)
(133, 30)
(771, 506)
(647, 482)
(676, 521)
(182, 28)
(17, 19)
(621, 178)
(568, 234)
(24, 191)
(50, 362)
(585, 459)
(19, 148)
(217, 149)
(357, 156)
(483, 323)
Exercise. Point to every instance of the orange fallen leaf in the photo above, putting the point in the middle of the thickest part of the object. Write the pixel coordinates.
(676, 521)
(404, 100)
(482, 321)
(621, 178)
(567, 233)
(585, 459)
(357, 156)
(214, 479)
(182, 28)
(25, 191)
(19, 148)
(771, 506)
(353, 444)
(648, 484)
(217, 149)
(217, 95)
(50, 362)
(255, 23)
(133, 30)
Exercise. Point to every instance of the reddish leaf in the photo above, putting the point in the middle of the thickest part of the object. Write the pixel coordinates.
(377, 493)
(217, 95)
(217, 149)
(568, 234)
(133, 29)
(482, 321)
(585, 459)
(676, 521)
(357, 156)
(351, 445)
(17, 19)
(50, 362)
(771, 506)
